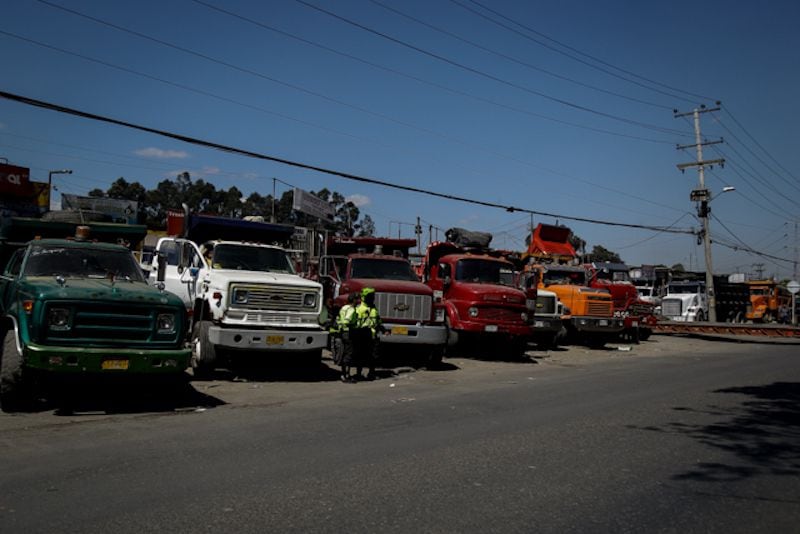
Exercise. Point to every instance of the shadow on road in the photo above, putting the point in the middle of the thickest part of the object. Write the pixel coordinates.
(130, 398)
(763, 434)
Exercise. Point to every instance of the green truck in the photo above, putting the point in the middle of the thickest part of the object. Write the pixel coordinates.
(81, 309)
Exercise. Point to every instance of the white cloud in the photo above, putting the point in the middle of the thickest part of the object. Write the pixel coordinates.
(359, 200)
(468, 220)
(158, 153)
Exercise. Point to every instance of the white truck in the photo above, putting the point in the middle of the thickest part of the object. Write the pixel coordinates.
(244, 297)
(685, 302)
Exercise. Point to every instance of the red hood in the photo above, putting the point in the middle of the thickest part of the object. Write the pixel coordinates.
(386, 286)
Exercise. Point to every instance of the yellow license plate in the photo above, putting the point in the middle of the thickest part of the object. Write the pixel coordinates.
(115, 365)
(274, 340)
(399, 330)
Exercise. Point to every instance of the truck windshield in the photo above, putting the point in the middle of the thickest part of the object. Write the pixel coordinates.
(685, 289)
(484, 272)
(564, 277)
(613, 276)
(251, 258)
(383, 269)
(82, 262)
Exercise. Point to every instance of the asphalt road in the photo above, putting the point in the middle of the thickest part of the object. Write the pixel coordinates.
(675, 435)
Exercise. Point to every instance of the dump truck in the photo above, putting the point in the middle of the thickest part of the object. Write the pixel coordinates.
(476, 286)
(411, 319)
(589, 312)
(78, 309)
(638, 314)
(244, 297)
(686, 299)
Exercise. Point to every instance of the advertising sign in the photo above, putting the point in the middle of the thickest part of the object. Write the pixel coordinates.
(312, 205)
(15, 181)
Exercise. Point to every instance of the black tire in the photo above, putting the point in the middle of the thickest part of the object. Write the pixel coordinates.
(16, 393)
(204, 354)
(644, 333)
(701, 317)
(434, 359)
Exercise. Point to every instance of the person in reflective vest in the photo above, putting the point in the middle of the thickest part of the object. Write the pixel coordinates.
(341, 331)
(369, 326)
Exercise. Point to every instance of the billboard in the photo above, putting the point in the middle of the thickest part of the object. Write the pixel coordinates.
(15, 181)
(120, 211)
(312, 205)
(19, 196)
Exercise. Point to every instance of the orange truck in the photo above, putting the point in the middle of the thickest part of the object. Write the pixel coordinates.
(589, 312)
(766, 300)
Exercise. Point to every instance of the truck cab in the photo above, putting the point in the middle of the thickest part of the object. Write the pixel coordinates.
(479, 294)
(243, 295)
(545, 308)
(405, 305)
(77, 308)
(685, 301)
(637, 314)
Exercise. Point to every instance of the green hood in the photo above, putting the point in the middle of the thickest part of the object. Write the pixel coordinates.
(93, 290)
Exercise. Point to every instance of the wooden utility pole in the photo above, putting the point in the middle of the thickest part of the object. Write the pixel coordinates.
(702, 196)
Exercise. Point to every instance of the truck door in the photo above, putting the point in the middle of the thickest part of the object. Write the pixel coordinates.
(184, 265)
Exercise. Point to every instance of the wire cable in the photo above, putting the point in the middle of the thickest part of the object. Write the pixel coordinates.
(348, 176)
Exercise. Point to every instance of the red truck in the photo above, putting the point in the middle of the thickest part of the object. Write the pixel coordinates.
(638, 315)
(477, 289)
(410, 317)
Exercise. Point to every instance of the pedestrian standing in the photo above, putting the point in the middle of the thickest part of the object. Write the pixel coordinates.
(342, 332)
(369, 328)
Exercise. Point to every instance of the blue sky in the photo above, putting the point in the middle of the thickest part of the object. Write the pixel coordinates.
(534, 114)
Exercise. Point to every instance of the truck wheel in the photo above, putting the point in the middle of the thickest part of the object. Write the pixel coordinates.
(204, 355)
(596, 342)
(15, 385)
(434, 358)
(644, 333)
(700, 317)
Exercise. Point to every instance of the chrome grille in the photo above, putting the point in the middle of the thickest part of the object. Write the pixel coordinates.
(599, 308)
(265, 297)
(403, 307)
(504, 315)
(671, 307)
(546, 304)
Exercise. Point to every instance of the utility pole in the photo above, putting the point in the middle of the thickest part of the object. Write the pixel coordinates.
(759, 270)
(703, 197)
(418, 232)
(272, 217)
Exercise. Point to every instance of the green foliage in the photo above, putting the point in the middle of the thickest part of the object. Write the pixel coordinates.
(601, 253)
(204, 197)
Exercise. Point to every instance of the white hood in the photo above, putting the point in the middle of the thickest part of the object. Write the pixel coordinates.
(222, 278)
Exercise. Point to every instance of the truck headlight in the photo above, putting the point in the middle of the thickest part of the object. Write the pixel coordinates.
(472, 311)
(310, 300)
(240, 296)
(58, 319)
(165, 323)
(524, 317)
(439, 315)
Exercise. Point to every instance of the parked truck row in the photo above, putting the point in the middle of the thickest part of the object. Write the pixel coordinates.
(224, 291)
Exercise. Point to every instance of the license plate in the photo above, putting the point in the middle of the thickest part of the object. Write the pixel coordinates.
(399, 330)
(115, 365)
(538, 324)
(274, 340)
(635, 324)
(602, 322)
(491, 328)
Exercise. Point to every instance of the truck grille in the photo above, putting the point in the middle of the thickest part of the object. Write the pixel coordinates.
(403, 307)
(110, 324)
(599, 308)
(501, 315)
(546, 304)
(671, 307)
(265, 297)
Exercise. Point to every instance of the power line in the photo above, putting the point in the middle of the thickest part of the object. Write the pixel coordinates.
(745, 247)
(593, 58)
(430, 83)
(513, 59)
(488, 76)
(348, 176)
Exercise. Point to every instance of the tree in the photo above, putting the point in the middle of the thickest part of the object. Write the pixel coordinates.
(678, 268)
(601, 253)
(366, 228)
(97, 193)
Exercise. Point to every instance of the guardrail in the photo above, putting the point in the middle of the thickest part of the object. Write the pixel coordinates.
(731, 329)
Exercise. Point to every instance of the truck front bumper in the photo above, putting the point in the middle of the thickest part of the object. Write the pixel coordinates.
(268, 339)
(543, 325)
(607, 325)
(109, 360)
(415, 334)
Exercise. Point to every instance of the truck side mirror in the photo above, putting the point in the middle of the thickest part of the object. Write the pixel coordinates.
(162, 267)
(444, 274)
(185, 251)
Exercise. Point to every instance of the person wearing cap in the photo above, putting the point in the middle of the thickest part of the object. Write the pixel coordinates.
(341, 330)
(369, 326)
